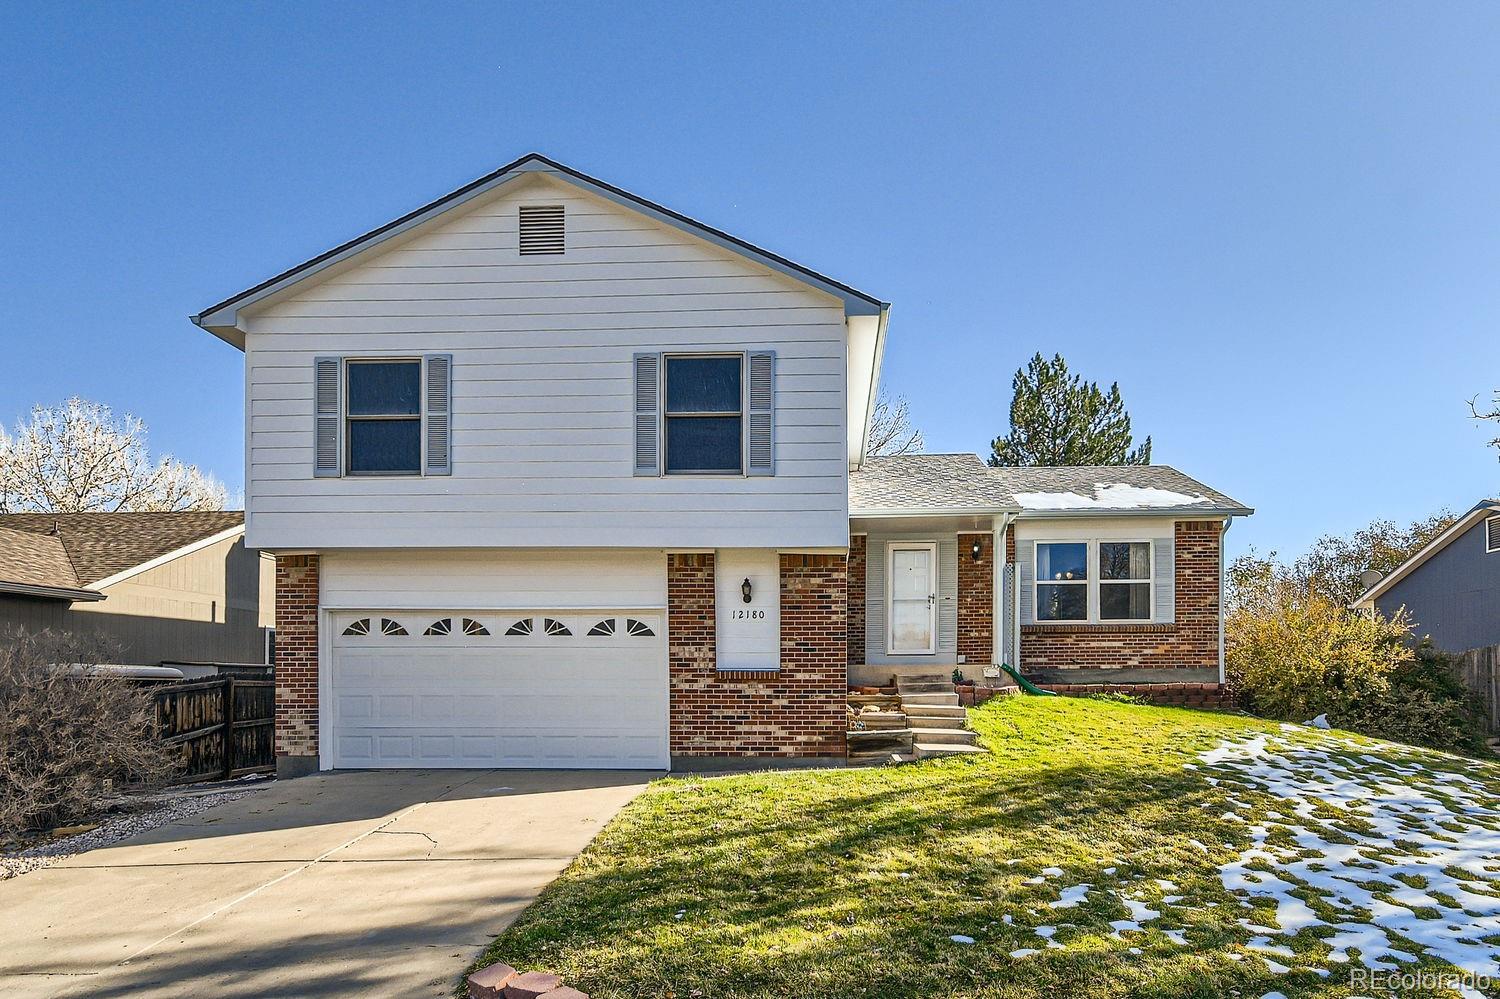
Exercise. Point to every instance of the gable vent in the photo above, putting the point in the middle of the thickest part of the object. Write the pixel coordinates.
(541, 229)
(1492, 534)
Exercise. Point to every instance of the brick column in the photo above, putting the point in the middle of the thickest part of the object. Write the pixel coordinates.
(796, 712)
(296, 665)
(856, 623)
(976, 602)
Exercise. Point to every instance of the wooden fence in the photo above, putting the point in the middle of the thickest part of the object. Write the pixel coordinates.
(1479, 669)
(223, 727)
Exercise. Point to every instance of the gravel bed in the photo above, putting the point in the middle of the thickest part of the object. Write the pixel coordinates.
(152, 813)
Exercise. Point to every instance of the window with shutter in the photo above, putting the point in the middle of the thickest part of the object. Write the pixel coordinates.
(383, 415)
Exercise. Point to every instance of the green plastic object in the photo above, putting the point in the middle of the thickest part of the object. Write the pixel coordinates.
(1026, 684)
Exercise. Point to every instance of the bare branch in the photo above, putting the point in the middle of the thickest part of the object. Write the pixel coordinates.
(891, 431)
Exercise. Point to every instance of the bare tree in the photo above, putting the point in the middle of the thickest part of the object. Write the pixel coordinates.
(1487, 414)
(80, 458)
(891, 431)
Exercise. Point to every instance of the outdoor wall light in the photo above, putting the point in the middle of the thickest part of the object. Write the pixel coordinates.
(975, 550)
(745, 589)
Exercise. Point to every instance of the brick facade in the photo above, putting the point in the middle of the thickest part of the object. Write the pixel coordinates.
(296, 657)
(976, 599)
(1213, 696)
(1190, 642)
(856, 612)
(796, 712)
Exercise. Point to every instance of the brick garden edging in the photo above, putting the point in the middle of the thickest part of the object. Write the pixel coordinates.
(1213, 696)
(501, 981)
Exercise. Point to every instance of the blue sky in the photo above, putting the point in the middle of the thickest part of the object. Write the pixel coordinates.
(1274, 224)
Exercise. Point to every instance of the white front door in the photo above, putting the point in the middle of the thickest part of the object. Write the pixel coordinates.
(913, 597)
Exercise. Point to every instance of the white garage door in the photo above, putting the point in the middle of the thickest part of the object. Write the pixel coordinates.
(561, 689)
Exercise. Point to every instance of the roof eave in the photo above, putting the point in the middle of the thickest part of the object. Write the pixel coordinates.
(893, 513)
(75, 594)
(1156, 511)
(222, 318)
(1460, 526)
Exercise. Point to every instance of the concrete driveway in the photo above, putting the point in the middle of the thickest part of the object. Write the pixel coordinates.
(362, 883)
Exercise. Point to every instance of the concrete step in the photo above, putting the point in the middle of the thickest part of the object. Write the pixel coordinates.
(927, 750)
(936, 676)
(924, 687)
(918, 720)
(874, 720)
(960, 736)
(936, 710)
(949, 698)
(889, 701)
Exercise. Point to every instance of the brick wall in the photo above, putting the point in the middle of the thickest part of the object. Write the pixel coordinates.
(976, 599)
(856, 612)
(1191, 642)
(797, 712)
(297, 655)
(1213, 696)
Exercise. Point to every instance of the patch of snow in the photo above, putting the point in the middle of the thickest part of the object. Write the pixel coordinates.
(1178, 937)
(1071, 897)
(1110, 496)
(959, 938)
(1319, 722)
(1052, 872)
(1396, 822)
(1024, 952)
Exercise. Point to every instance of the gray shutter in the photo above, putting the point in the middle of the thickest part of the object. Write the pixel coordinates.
(326, 416)
(1164, 574)
(1026, 573)
(647, 420)
(760, 432)
(438, 419)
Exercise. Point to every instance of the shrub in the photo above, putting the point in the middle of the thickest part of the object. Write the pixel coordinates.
(1293, 654)
(69, 739)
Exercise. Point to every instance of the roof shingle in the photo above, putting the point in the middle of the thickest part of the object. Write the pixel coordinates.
(99, 545)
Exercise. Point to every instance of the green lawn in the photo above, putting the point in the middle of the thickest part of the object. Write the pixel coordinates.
(847, 883)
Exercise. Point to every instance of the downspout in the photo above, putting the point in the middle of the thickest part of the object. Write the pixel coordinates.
(1223, 533)
(998, 636)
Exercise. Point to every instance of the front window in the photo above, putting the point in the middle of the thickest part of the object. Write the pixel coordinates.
(1124, 580)
(384, 417)
(1062, 582)
(703, 415)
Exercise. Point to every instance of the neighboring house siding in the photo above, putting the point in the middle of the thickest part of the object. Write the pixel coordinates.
(1453, 597)
(1189, 639)
(205, 606)
(542, 384)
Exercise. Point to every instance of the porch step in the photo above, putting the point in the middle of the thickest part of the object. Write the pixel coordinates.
(934, 677)
(927, 750)
(949, 699)
(924, 686)
(954, 736)
(937, 710)
(865, 746)
(917, 719)
(888, 702)
(874, 721)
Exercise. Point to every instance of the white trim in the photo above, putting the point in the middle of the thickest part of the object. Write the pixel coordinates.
(176, 553)
(1461, 525)
(58, 592)
(1092, 580)
(967, 511)
(931, 547)
(429, 606)
(1487, 549)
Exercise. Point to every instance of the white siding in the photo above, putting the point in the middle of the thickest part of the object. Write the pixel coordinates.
(542, 388)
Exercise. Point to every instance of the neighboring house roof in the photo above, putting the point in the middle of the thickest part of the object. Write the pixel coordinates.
(101, 548)
(917, 484)
(1482, 510)
(866, 315)
(37, 565)
(925, 484)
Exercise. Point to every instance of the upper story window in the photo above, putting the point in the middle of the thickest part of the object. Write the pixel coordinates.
(383, 417)
(1062, 581)
(704, 414)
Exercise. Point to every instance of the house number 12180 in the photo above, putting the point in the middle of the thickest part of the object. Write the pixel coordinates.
(750, 615)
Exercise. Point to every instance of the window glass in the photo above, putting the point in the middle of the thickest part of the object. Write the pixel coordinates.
(385, 388)
(385, 445)
(703, 444)
(703, 385)
(1061, 562)
(1062, 602)
(1124, 581)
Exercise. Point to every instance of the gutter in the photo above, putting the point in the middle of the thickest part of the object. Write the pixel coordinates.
(1032, 513)
(75, 594)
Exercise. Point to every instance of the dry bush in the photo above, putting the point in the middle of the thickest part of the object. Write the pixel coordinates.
(69, 740)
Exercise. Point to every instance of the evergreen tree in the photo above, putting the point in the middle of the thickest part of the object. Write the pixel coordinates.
(1059, 419)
